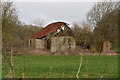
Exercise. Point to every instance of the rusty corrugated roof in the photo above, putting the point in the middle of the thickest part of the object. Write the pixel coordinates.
(47, 30)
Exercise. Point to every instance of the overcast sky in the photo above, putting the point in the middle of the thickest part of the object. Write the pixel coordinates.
(69, 12)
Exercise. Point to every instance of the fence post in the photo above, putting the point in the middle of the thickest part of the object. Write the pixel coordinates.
(86, 75)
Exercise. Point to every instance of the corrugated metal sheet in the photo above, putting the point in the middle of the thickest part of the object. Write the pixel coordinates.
(47, 30)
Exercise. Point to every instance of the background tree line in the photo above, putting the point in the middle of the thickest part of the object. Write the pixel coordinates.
(15, 34)
(101, 24)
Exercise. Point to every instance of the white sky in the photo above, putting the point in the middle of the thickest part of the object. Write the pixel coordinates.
(69, 12)
(54, 0)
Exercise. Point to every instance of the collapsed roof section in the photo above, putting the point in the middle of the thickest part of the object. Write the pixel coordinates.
(51, 28)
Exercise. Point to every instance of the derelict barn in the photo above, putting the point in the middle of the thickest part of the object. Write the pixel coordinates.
(55, 37)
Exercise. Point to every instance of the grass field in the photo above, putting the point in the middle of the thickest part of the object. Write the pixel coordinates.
(61, 66)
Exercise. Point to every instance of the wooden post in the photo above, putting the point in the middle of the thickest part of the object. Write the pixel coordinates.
(77, 75)
(86, 68)
(105, 70)
(29, 43)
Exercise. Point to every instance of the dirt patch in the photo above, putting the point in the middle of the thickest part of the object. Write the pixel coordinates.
(77, 50)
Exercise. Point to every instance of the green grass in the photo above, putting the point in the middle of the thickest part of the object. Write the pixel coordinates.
(59, 66)
(116, 47)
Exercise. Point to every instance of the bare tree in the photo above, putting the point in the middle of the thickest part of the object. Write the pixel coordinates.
(9, 14)
(83, 34)
(99, 10)
(103, 18)
(9, 19)
(38, 22)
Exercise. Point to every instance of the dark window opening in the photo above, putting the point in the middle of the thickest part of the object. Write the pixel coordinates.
(88, 47)
(49, 44)
(69, 41)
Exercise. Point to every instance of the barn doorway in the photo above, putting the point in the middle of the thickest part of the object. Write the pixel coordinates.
(48, 44)
(70, 43)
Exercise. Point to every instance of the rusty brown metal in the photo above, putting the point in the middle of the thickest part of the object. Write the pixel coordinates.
(48, 29)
